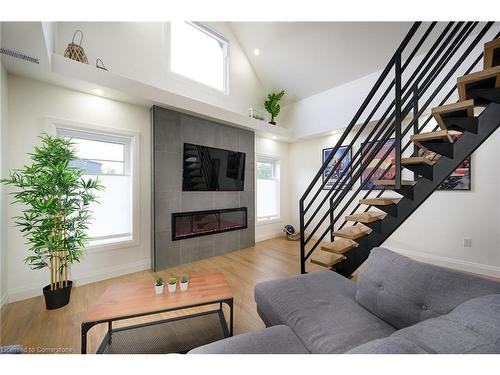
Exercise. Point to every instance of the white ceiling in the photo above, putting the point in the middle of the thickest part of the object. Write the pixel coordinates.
(306, 58)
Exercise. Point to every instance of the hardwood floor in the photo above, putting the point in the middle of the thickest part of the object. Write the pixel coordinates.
(28, 323)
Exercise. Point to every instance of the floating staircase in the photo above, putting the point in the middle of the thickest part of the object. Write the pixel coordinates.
(358, 218)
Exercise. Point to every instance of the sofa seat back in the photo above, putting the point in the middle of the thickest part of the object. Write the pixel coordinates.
(403, 292)
(472, 327)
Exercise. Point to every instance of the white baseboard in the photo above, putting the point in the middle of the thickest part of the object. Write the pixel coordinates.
(458, 264)
(33, 290)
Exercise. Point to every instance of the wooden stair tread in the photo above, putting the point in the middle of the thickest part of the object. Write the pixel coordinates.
(489, 49)
(326, 259)
(417, 160)
(353, 232)
(379, 201)
(393, 182)
(431, 136)
(463, 81)
(439, 112)
(495, 43)
(340, 246)
(453, 107)
(366, 217)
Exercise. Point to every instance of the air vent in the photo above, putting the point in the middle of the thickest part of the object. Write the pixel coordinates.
(19, 55)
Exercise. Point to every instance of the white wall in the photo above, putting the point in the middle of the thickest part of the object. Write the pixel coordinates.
(328, 110)
(435, 231)
(30, 102)
(3, 136)
(277, 150)
(140, 50)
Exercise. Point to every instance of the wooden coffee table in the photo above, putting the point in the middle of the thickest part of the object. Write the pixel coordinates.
(132, 300)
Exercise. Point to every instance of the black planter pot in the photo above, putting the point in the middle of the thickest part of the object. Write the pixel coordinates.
(55, 299)
(272, 122)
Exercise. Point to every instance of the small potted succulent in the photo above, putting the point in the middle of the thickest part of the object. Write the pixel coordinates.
(172, 285)
(184, 283)
(159, 285)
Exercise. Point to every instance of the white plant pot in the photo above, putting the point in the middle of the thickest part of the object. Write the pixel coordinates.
(172, 288)
(184, 286)
(158, 289)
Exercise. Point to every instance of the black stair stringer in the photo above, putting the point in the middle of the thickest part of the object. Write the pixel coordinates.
(424, 170)
(489, 121)
(461, 124)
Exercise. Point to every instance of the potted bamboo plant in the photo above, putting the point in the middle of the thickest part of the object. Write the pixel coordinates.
(55, 215)
(272, 105)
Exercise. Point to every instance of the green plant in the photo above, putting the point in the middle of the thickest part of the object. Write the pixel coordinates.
(272, 104)
(172, 281)
(159, 281)
(56, 211)
(184, 279)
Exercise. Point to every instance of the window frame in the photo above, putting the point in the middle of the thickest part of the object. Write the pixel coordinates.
(214, 34)
(107, 138)
(54, 126)
(259, 158)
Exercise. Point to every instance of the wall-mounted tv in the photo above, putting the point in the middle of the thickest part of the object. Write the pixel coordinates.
(212, 169)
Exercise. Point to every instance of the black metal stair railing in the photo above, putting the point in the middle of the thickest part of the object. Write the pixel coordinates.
(399, 89)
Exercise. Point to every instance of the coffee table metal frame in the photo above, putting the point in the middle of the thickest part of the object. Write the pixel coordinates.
(109, 334)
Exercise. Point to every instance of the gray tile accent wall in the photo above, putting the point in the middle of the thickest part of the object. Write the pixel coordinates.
(170, 130)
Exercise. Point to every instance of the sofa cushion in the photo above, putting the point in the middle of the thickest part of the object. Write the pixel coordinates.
(273, 340)
(403, 292)
(388, 345)
(472, 327)
(321, 310)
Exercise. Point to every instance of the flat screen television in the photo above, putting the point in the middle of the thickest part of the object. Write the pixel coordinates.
(212, 169)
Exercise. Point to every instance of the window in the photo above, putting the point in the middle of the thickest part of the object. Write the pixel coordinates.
(268, 189)
(199, 54)
(109, 158)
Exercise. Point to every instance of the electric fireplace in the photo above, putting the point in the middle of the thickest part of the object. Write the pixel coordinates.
(202, 223)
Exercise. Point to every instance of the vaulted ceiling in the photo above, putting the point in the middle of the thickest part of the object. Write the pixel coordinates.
(306, 58)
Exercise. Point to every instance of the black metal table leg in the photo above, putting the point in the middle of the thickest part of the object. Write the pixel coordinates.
(85, 329)
(230, 304)
(110, 331)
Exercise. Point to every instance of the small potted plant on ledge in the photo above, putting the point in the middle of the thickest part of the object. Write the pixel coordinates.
(184, 283)
(172, 285)
(159, 285)
(272, 105)
(56, 212)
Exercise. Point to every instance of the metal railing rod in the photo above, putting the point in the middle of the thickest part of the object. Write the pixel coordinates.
(373, 111)
(329, 228)
(376, 149)
(363, 106)
(397, 123)
(435, 72)
(335, 189)
(382, 118)
(450, 53)
(419, 44)
(432, 96)
(435, 45)
(443, 82)
(415, 110)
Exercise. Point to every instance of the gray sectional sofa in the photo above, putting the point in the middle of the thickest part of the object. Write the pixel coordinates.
(398, 305)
